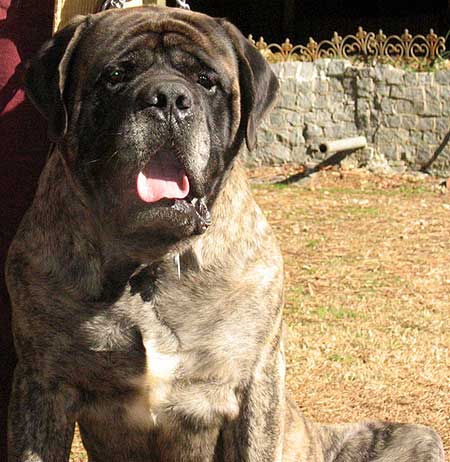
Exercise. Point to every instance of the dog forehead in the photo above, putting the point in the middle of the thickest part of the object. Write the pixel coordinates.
(115, 33)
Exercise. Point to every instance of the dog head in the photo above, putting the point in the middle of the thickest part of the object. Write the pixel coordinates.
(149, 107)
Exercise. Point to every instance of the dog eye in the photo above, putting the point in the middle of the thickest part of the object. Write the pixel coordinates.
(115, 76)
(207, 81)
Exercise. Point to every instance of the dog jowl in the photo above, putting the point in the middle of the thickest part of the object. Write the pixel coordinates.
(146, 283)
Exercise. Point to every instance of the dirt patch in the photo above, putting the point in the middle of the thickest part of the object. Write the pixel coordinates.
(367, 264)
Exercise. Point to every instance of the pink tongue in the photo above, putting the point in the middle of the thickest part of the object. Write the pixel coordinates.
(163, 177)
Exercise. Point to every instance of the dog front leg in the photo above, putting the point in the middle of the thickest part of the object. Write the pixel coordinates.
(261, 420)
(40, 423)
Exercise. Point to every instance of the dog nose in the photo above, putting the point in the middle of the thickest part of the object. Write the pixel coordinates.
(166, 100)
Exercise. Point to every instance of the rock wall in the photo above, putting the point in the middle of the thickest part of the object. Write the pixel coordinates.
(404, 115)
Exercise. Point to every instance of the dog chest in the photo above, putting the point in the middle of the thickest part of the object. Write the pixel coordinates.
(153, 386)
(168, 390)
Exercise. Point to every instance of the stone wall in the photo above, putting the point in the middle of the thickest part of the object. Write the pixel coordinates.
(403, 114)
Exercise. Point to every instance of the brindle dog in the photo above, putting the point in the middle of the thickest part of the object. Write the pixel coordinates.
(146, 282)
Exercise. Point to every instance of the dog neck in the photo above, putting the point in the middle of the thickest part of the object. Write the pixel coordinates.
(239, 236)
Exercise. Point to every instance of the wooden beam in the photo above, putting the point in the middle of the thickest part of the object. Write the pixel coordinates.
(67, 9)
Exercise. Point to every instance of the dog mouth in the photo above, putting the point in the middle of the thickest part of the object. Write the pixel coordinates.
(164, 182)
(163, 177)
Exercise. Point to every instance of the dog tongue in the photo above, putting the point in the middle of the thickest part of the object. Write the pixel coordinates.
(162, 178)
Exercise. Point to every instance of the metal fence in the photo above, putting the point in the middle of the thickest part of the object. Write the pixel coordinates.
(406, 50)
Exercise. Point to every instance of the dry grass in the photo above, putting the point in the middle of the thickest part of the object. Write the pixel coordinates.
(367, 300)
(367, 295)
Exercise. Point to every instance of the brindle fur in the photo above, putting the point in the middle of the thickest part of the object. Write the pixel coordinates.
(157, 366)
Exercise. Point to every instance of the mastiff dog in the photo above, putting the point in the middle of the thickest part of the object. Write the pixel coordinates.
(146, 283)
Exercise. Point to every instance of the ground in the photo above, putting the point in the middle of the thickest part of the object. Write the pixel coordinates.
(367, 265)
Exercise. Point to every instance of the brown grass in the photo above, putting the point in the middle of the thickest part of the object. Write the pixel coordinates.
(367, 295)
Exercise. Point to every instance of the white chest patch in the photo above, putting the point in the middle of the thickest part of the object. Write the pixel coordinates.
(154, 386)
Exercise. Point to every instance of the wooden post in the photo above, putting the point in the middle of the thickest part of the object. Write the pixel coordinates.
(67, 9)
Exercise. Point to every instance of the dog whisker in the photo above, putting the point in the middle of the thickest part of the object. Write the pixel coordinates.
(176, 260)
(112, 156)
(93, 161)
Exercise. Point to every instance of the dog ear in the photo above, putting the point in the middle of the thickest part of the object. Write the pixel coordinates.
(258, 83)
(45, 77)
